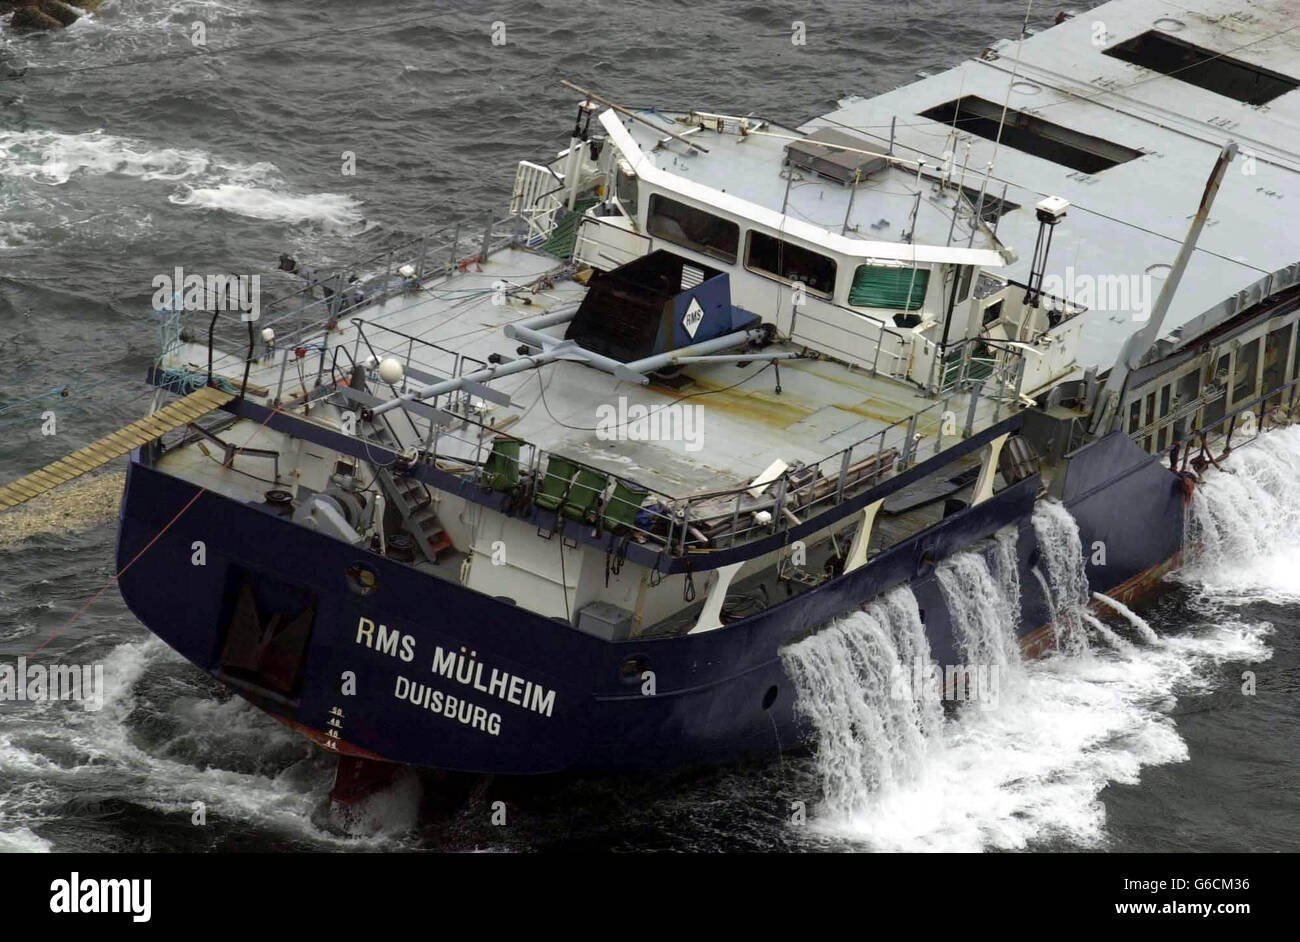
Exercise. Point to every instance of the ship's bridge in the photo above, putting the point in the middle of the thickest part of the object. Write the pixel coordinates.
(838, 192)
(847, 250)
(874, 260)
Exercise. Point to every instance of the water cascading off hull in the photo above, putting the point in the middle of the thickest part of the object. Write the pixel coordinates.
(897, 784)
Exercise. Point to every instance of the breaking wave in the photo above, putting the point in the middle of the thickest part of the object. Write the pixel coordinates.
(163, 745)
(332, 210)
(193, 177)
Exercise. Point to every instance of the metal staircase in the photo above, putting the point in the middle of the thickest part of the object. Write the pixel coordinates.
(412, 500)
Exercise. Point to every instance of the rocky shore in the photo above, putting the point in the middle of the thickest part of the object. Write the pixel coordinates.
(41, 15)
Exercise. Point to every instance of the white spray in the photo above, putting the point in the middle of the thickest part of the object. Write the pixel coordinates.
(1139, 623)
(857, 680)
(1032, 768)
(1241, 524)
(1061, 552)
(848, 677)
(981, 610)
(1097, 625)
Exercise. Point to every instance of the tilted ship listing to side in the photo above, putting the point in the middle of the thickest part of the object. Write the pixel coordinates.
(555, 491)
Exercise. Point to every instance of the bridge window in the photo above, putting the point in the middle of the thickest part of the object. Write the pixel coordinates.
(625, 186)
(693, 228)
(790, 262)
(902, 289)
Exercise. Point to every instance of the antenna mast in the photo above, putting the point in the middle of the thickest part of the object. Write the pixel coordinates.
(997, 141)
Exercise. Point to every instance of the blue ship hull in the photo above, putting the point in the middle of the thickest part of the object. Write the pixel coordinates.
(519, 693)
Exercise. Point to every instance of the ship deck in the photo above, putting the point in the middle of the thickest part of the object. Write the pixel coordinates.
(1126, 220)
(743, 423)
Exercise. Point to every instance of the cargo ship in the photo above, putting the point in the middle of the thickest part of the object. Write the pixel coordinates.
(553, 491)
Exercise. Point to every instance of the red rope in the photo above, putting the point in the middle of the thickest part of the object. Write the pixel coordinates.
(203, 490)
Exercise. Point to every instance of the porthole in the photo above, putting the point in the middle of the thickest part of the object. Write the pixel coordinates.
(362, 579)
(631, 670)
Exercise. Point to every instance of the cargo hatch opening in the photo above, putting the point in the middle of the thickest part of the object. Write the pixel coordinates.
(1203, 68)
(1032, 135)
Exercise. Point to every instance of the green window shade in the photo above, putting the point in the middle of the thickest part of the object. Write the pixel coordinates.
(878, 286)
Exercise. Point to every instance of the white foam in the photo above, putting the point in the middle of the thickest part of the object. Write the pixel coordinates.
(21, 840)
(101, 750)
(1243, 522)
(1028, 768)
(53, 158)
(15, 234)
(1031, 769)
(130, 26)
(255, 190)
(333, 210)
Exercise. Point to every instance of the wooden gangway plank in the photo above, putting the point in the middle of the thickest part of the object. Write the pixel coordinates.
(114, 445)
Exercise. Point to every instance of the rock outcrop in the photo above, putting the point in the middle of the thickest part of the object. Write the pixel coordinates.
(42, 15)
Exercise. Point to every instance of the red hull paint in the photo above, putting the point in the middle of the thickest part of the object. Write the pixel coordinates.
(1041, 640)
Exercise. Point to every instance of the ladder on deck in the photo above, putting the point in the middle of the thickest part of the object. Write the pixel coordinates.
(170, 417)
(413, 501)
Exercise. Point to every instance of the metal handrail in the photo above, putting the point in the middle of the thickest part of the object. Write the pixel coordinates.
(1072, 308)
(392, 260)
(681, 523)
(324, 311)
(964, 378)
(1208, 428)
(878, 322)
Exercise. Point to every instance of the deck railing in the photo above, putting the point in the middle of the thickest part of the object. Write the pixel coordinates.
(465, 448)
(1285, 398)
(303, 322)
(603, 245)
(982, 368)
(890, 344)
(536, 199)
(679, 525)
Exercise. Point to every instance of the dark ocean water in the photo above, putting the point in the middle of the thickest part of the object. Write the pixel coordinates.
(223, 161)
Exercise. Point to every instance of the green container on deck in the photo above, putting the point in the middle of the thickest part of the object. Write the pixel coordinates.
(583, 502)
(624, 504)
(555, 482)
(501, 472)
